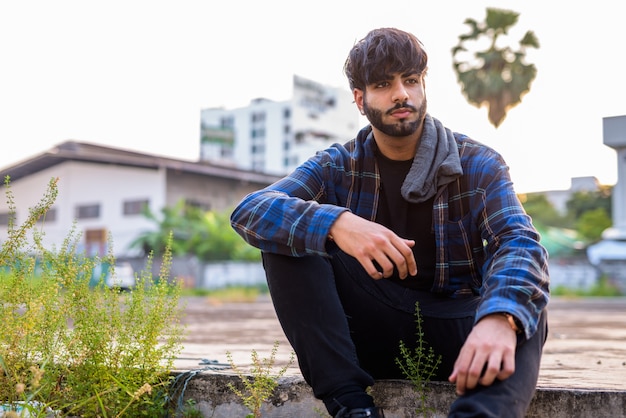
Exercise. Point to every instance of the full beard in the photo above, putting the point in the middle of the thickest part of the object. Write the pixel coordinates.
(401, 128)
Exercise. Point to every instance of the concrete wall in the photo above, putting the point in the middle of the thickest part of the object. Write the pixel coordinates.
(215, 193)
(293, 398)
(572, 274)
(615, 270)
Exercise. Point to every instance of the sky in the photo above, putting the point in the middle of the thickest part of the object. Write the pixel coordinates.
(135, 74)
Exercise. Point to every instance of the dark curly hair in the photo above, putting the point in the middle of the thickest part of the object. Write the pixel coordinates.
(381, 53)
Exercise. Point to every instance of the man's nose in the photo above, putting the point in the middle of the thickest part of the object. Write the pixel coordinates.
(400, 94)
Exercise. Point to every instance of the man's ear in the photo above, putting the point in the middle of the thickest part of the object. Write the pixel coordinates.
(358, 99)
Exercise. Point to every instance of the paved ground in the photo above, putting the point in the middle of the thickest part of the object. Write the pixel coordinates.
(586, 347)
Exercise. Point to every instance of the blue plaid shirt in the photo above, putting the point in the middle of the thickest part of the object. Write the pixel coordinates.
(485, 242)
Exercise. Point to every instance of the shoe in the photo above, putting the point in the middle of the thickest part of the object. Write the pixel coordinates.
(371, 412)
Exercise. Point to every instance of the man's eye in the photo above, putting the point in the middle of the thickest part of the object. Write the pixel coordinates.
(382, 84)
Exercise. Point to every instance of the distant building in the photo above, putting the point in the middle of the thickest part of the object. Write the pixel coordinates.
(610, 253)
(276, 137)
(614, 136)
(559, 198)
(102, 192)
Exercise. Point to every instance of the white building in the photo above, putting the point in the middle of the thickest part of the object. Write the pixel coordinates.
(102, 192)
(614, 136)
(610, 253)
(275, 137)
(559, 198)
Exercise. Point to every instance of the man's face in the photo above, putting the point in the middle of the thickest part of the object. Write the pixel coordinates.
(396, 106)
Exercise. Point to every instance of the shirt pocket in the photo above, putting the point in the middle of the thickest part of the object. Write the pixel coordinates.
(465, 251)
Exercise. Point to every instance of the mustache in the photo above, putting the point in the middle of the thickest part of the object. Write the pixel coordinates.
(404, 105)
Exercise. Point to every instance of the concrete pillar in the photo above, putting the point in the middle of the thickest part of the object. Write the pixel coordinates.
(614, 136)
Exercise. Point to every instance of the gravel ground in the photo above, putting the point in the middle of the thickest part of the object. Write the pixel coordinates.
(586, 346)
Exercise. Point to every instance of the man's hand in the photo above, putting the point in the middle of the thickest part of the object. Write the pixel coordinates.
(488, 354)
(370, 242)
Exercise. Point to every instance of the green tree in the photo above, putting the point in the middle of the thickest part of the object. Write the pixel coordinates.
(498, 77)
(581, 202)
(204, 234)
(592, 223)
(218, 241)
(174, 220)
(590, 212)
(541, 210)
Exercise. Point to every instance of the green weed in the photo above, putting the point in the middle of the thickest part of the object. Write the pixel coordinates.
(78, 349)
(260, 384)
(420, 365)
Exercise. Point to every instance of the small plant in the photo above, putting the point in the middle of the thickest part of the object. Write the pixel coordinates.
(420, 365)
(261, 384)
(191, 410)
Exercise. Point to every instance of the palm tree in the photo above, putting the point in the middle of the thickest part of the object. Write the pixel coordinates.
(498, 78)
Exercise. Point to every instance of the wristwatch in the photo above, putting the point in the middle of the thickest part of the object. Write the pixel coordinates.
(513, 322)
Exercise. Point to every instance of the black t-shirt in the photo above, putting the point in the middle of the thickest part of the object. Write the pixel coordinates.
(407, 220)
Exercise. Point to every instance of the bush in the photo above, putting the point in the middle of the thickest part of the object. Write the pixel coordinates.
(77, 349)
(603, 288)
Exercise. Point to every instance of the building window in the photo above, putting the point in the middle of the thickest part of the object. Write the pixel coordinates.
(257, 133)
(287, 113)
(87, 211)
(258, 117)
(257, 149)
(134, 207)
(227, 122)
(5, 217)
(192, 203)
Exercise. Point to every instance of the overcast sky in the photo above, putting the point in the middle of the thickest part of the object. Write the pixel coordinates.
(135, 74)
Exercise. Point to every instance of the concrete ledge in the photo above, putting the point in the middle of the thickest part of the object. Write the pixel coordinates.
(294, 398)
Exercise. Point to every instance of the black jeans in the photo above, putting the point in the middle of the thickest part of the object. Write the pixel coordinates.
(346, 328)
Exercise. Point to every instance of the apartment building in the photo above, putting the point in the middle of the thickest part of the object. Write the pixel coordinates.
(276, 136)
